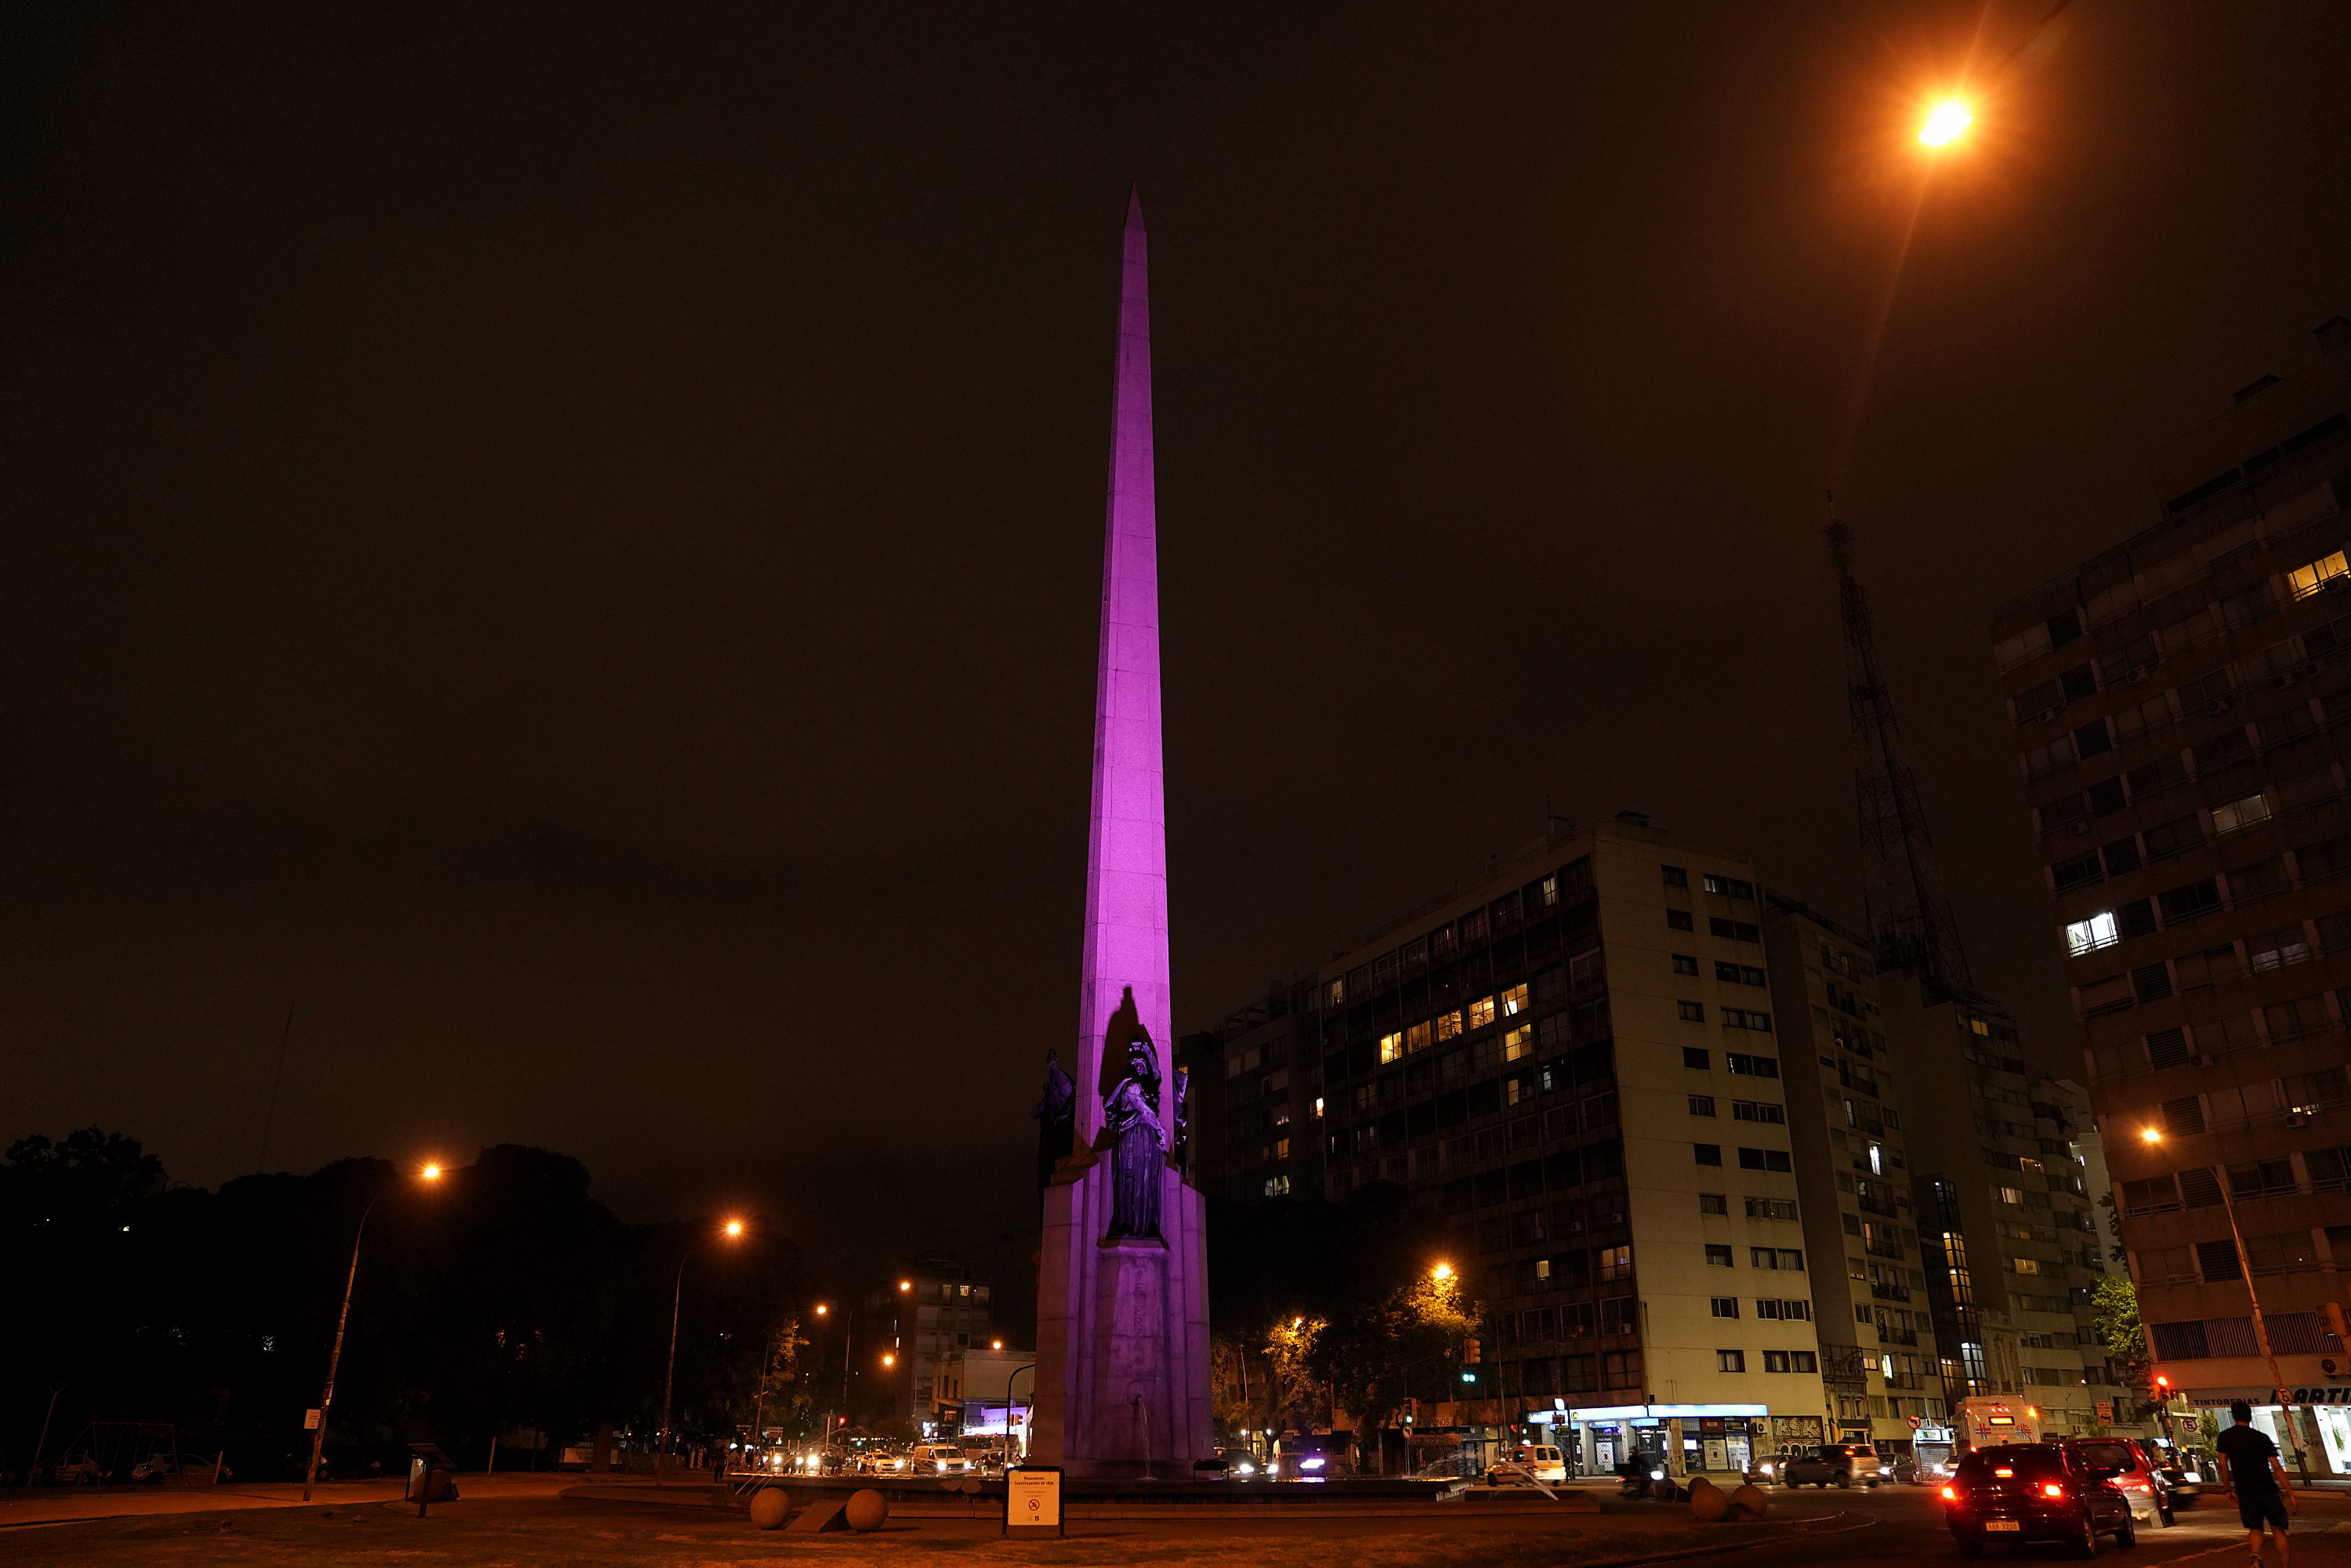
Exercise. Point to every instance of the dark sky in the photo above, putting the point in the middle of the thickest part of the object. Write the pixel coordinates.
(564, 541)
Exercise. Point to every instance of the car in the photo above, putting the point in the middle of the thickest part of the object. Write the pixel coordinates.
(2137, 1475)
(1537, 1464)
(1832, 1465)
(937, 1459)
(2024, 1492)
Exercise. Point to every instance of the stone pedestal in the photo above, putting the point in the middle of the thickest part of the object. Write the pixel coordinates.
(1122, 1334)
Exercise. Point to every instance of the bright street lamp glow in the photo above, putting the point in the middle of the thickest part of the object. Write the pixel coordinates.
(905, 1284)
(2150, 1135)
(430, 1173)
(822, 1309)
(889, 1360)
(734, 1227)
(1943, 123)
(1442, 1271)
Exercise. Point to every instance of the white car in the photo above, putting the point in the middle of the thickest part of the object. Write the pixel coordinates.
(1536, 1464)
(937, 1459)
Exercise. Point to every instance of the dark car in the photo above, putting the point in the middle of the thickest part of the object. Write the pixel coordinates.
(2022, 1492)
(1832, 1465)
(2137, 1474)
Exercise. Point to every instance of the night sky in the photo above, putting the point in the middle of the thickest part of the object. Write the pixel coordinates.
(564, 542)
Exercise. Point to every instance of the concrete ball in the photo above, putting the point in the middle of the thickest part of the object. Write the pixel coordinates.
(868, 1511)
(1706, 1502)
(1750, 1501)
(770, 1508)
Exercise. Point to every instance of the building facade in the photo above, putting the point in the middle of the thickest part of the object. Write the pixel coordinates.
(2180, 704)
(935, 1308)
(1576, 1062)
(1879, 1361)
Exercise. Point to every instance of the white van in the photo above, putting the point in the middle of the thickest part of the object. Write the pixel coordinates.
(1536, 1462)
(937, 1459)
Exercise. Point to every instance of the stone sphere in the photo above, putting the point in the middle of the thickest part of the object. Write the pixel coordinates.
(868, 1510)
(1706, 1502)
(1750, 1501)
(770, 1508)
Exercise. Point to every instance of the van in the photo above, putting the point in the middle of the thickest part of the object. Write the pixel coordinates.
(1536, 1462)
(937, 1459)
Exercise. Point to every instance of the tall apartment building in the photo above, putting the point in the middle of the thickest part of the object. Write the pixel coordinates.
(1576, 1062)
(2180, 704)
(1846, 1094)
(1255, 1136)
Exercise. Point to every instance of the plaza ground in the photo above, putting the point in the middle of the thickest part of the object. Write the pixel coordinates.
(521, 1521)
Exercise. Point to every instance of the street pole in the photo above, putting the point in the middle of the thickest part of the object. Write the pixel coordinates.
(335, 1358)
(2262, 1335)
(669, 1378)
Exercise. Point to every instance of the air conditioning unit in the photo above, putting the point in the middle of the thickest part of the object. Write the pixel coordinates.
(2081, 829)
(2198, 1059)
(2279, 681)
(2219, 705)
(2337, 585)
(2045, 714)
(2140, 675)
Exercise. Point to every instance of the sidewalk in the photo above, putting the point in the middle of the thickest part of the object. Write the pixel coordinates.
(65, 1505)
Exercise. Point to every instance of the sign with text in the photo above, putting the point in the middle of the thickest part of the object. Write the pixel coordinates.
(309, 1420)
(1032, 1501)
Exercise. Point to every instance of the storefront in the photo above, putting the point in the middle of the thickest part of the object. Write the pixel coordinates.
(1675, 1439)
(2323, 1414)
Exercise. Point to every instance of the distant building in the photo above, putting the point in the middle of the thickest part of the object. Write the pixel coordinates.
(2179, 704)
(1574, 1058)
(1848, 1093)
(1255, 1137)
(984, 1392)
(942, 1308)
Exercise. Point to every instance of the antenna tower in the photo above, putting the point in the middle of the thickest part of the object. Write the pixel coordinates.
(1910, 917)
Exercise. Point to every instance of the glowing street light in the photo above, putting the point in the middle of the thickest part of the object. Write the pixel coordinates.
(904, 1286)
(822, 1309)
(1946, 122)
(1441, 1273)
(731, 1229)
(889, 1360)
(429, 1172)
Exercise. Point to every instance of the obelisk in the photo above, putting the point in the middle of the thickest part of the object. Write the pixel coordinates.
(1122, 1311)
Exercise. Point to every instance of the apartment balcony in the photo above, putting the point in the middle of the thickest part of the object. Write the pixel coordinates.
(1897, 1336)
(1888, 1293)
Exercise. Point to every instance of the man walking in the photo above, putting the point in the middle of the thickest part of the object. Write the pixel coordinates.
(2264, 1497)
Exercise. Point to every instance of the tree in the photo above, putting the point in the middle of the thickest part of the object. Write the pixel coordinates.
(2114, 1303)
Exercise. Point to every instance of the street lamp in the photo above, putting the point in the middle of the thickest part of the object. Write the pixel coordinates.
(1945, 123)
(431, 1172)
(1441, 1273)
(731, 1229)
(2153, 1135)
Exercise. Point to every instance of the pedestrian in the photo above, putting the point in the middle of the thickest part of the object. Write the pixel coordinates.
(2257, 1480)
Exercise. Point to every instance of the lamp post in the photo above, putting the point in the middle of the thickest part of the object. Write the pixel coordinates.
(2152, 1135)
(730, 1230)
(431, 1172)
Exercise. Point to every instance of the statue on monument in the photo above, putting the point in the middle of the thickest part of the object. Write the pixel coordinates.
(1056, 1116)
(1131, 1125)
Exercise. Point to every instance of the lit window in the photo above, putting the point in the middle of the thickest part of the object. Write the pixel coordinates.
(2009, 1194)
(1730, 1361)
(1318, 1107)
(1481, 1012)
(1514, 1000)
(2306, 580)
(1281, 1148)
(1615, 1263)
(1520, 1042)
(1391, 1047)
(2241, 813)
(2098, 931)
(1418, 1037)
(1449, 1025)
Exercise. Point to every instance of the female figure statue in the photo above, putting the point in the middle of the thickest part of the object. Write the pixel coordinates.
(1138, 1138)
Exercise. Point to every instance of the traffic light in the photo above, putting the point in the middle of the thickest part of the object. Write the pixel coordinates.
(2336, 1324)
(1470, 1354)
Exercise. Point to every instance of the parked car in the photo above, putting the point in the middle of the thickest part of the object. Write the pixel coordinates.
(80, 1470)
(1537, 1463)
(2022, 1492)
(2137, 1474)
(1832, 1465)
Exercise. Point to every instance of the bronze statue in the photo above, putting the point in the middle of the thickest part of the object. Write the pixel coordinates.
(1057, 1119)
(1131, 1125)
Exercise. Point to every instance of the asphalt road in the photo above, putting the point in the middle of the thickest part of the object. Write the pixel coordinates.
(1905, 1525)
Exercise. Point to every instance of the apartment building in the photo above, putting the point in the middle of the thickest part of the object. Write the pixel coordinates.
(2180, 704)
(1846, 1094)
(1575, 1060)
(937, 1307)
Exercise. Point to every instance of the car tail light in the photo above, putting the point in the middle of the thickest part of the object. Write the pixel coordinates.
(2050, 1489)
(1950, 1494)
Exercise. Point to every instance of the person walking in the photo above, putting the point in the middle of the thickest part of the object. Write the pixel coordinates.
(2257, 1480)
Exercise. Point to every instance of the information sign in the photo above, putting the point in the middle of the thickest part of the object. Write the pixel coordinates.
(1032, 1501)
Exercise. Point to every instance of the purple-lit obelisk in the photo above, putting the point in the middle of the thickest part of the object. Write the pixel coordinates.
(1122, 1293)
